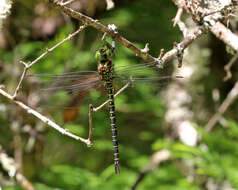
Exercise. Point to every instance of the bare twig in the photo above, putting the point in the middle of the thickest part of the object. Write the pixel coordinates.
(43, 118)
(17, 145)
(177, 18)
(224, 34)
(156, 159)
(183, 44)
(110, 4)
(92, 109)
(228, 66)
(115, 95)
(212, 23)
(221, 110)
(9, 165)
(67, 2)
(90, 116)
(30, 64)
(115, 35)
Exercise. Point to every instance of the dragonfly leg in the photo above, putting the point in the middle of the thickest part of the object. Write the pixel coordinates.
(90, 115)
(92, 109)
(110, 46)
(115, 95)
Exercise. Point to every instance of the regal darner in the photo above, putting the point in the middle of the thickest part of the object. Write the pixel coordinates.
(81, 82)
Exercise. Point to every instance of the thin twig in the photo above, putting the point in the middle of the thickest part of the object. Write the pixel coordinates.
(90, 116)
(110, 4)
(43, 118)
(183, 44)
(67, 2)
(18, 152)
(116, 36)
(30, 64)
(224, 34)
(92, 109)
(177, 18)
(156, 159)
(115, 95)
(99, 26)
(228, 66)
(221, 110)
(10, 166)
(215, 26)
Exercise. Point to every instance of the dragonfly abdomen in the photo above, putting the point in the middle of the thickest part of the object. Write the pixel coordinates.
(113, 125)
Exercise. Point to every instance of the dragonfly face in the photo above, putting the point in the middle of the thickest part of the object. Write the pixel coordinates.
(105, 65)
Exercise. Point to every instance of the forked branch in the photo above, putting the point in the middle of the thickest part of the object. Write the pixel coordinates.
(43, 118)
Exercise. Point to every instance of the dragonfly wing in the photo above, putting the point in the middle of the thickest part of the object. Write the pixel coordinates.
(74, 81)
(159, 81)
(65, 90)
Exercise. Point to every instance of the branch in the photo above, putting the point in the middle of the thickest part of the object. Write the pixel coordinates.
(99, 26)
(156, 159)
(9, 165)
(221, 110)
(116, 36)
(30, 64)
(211, 18)
(183, 44)
(43, 118)
(228, 66)
(224, 34)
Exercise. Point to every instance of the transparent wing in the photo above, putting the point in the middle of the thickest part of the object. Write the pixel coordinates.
(75, 82)
(71, 81)
(70, 90)
(67, 90)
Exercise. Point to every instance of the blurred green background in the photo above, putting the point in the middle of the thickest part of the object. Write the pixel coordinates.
(52, 161)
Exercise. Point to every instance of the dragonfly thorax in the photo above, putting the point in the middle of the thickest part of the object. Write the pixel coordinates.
(105, 65)
(105, 70)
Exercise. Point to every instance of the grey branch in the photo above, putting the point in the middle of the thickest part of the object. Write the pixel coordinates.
(228, 66)
(43, 118)
(10, 166)
(116, 36)
(156, 159)
(223, 107)
(224, 34)
(30, 64)
(113, 34)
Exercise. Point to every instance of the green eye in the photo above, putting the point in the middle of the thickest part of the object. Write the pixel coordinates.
(108, 53)
(98, 56)
(103, 53)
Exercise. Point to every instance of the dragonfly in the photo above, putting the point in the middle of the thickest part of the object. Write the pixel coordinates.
(80, 82)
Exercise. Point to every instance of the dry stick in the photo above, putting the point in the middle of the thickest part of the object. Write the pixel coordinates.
(116, 36)
(221, 110)
(224, 34)
(67, 2)
(30, 64)
(183, 44)
(177, 18)
(228, 66)
(90, 116)
(156, 159)
(110, 4)
(219, 32)
(17, 140)
(92, 109)
(43, 118)
(9, 165)
(115, 95)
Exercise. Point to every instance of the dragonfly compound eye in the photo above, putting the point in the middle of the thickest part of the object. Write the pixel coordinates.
(108, 53)
(99, 55)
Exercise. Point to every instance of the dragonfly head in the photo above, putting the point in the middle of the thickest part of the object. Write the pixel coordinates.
(103, 54)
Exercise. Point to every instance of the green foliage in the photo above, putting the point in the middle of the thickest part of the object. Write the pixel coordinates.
(58, 162)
